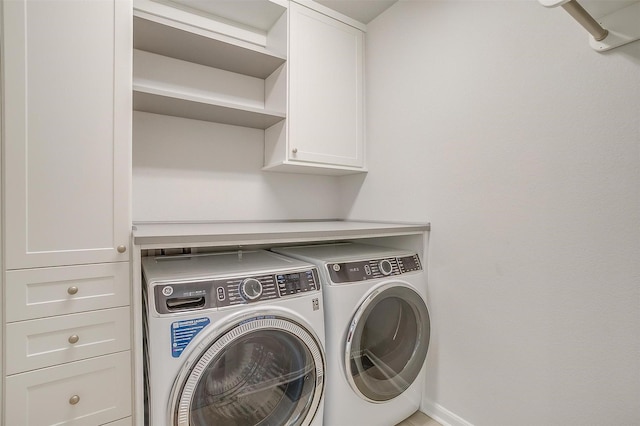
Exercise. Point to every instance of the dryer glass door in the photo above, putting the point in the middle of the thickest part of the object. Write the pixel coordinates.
(265, 371)
(387, 342)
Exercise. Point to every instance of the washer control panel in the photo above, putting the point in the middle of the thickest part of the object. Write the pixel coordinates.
(215, 293)
(347, 272)
(244, 290)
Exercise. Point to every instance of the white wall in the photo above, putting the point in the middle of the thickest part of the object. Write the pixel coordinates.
(195, 170)
(497, 123)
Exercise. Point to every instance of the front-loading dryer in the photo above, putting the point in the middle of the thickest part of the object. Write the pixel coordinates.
(231, 339)
(377, 331)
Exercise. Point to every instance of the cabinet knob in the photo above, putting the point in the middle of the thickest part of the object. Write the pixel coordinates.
(74, 339)
(121, 249)
(72, 290)
(74, 400)
(294, 150)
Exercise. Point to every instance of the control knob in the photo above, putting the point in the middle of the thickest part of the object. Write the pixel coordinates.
(250, 289)
(385, 267)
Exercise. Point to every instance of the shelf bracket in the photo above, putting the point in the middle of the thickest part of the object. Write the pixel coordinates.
(611, 31)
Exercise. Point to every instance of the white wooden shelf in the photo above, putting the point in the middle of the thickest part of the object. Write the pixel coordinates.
(256, 14)
(181, 104)
(181, 41)
(313, 168)
(150, 235)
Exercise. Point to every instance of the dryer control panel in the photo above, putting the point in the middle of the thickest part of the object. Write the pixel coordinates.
(346, 272)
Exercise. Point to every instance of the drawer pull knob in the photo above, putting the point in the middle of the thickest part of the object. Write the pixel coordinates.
(74, 339)
(74, 400)
(121, 249)
(72, 290)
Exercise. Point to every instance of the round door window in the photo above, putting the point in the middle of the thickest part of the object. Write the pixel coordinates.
(387, 342)
(263, 372)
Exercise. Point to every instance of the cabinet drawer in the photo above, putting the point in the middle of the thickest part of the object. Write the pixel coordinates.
(50, 341)
(90, 392)
(45, 292)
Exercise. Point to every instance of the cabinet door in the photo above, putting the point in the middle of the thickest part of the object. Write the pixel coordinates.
(67, 117)
(325, 89)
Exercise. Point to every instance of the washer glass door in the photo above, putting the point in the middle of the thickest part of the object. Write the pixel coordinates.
(387, 342)
(266, 371)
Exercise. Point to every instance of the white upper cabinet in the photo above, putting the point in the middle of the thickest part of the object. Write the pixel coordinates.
(325, 94)
(273, 65)
(67, 141)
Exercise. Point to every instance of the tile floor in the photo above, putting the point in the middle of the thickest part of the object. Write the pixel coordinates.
(419, 419)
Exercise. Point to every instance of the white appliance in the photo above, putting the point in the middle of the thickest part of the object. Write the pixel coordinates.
(377, 331)
(233, 338)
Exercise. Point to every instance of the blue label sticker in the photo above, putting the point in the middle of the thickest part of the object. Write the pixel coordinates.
(183, 332)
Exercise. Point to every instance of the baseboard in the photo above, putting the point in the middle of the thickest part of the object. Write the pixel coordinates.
(443, 416)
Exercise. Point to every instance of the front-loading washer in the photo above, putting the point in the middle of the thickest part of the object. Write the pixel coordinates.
(233, 338)
(377, 331)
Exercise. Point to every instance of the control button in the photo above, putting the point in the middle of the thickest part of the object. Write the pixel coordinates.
(335, 267)
(221, 295)
(385, 267)
(367, 269)
(250, 289)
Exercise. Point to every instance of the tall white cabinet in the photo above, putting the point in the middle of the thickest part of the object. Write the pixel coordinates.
(67, 132)
(66, 140)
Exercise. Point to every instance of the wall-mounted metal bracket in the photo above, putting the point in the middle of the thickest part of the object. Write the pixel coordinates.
(608, 32)
(623, 26)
